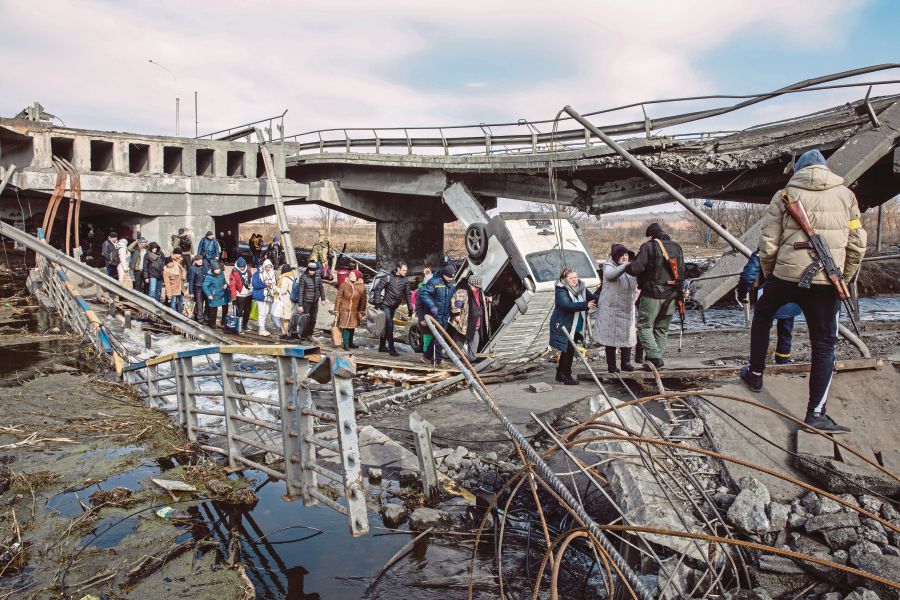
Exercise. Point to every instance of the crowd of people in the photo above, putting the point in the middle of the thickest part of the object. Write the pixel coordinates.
(199, 286)
(629, 314)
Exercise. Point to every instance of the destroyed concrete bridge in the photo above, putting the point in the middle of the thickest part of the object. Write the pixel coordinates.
(157, 184)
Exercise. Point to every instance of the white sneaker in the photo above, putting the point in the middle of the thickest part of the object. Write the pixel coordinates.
(264, 333)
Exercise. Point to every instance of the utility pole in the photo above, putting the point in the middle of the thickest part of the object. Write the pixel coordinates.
(280, 215)
(177, 115)
(196, 117)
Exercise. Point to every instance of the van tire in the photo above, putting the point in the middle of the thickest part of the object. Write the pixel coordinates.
(476, 242)
(415, 338)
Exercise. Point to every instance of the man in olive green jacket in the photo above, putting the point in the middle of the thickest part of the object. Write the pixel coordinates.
(834, 214)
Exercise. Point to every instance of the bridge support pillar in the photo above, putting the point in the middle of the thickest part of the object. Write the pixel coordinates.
(419, 244)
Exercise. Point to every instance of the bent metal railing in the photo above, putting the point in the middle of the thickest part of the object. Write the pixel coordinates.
(281, 420)
(253, 401)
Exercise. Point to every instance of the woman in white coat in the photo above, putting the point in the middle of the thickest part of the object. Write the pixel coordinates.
(614, 325)
(283, 308)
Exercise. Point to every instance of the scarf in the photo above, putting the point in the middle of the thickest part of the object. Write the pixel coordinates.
(576, 294)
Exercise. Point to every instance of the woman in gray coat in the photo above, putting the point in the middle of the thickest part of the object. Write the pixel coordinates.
(614, 321)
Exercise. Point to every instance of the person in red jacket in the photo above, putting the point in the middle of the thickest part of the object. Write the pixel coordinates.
(239, 282)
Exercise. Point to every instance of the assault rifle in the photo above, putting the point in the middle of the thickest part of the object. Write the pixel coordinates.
(678, 283)
(823, 257)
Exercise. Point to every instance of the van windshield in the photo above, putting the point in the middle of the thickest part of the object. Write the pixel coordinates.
(546, 265)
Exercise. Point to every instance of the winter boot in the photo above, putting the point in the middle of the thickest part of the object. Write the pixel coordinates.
(626, 359)
(611, 359)
(753, 380)
(351, 344)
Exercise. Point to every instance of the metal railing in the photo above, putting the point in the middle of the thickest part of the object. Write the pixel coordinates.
(206, 389)
(248, 129)
(73, 309)
(526, 136)
(280, 420)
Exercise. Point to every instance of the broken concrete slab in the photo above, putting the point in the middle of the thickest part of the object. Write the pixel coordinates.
(831, 521)
(393, 515)
(809, 442)
(422, 518)
(839, 478)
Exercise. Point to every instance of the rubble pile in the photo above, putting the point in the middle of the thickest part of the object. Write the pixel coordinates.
(820, 527)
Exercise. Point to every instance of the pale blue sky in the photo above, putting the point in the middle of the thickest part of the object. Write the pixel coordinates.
(358, 63)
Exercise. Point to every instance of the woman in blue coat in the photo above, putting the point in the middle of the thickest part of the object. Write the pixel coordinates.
(215, 288)
(573, 300)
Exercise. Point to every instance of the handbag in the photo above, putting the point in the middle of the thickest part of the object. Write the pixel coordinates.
(254, 311)
(233, 320)
(337, 334)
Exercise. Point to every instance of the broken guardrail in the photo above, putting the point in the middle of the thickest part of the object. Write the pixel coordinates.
(230, 422)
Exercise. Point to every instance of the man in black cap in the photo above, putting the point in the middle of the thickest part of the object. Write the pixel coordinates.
(390, 292)
(660, 291)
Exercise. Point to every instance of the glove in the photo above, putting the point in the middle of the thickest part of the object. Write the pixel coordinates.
(434, 312)
(458, 304)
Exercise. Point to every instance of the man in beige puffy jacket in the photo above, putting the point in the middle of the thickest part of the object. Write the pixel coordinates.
(833, 214)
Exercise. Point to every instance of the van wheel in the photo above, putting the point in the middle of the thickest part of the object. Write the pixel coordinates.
(476, 242)
(415, 338)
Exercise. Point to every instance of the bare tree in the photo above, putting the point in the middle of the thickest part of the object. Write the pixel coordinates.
(326, 219)
(545, 207)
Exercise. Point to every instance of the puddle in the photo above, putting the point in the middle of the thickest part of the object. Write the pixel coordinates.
(67, 504)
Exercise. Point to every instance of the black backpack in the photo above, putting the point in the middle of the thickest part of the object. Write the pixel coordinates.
(185, 244)
(379, 277)
(114, 258)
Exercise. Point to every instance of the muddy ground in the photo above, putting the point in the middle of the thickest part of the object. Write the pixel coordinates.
(77, 509)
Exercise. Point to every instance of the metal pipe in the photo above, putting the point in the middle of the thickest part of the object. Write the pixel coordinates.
(723, 233)
(542, 467)
(283, 226)
(649, 174)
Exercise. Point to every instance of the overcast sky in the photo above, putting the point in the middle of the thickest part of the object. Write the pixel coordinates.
(409, 63)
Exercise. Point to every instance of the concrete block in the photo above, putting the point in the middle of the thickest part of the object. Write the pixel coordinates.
(539, 387)
(887, 567)
(839, 478)
(832, 521)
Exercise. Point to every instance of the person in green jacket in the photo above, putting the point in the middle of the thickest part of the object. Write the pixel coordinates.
(215, 288)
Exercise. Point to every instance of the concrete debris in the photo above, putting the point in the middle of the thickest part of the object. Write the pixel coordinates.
(393, 515)
(423, 518)
(838, 477)
(689, 428)
(819, 505)
(778, 515)
(887, 567)
(842, 537)
(375, 475)
(748, 512)
(827, 522)
(407, 478)
(539, 387)
(778, 564)
(859, 549)
(862, 594)
(676, 579)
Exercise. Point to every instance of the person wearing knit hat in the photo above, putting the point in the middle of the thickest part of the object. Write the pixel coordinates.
(613, 321)
(834, 211)
(468, 315)
(660, 291)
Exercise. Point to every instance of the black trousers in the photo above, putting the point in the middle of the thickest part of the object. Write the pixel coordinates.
(611, 357)
(821, 307)
(565, 359)
(244, 304)
(137, 281)
(199, 305)
(312, 309)
(387, 337)
(211, 315)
